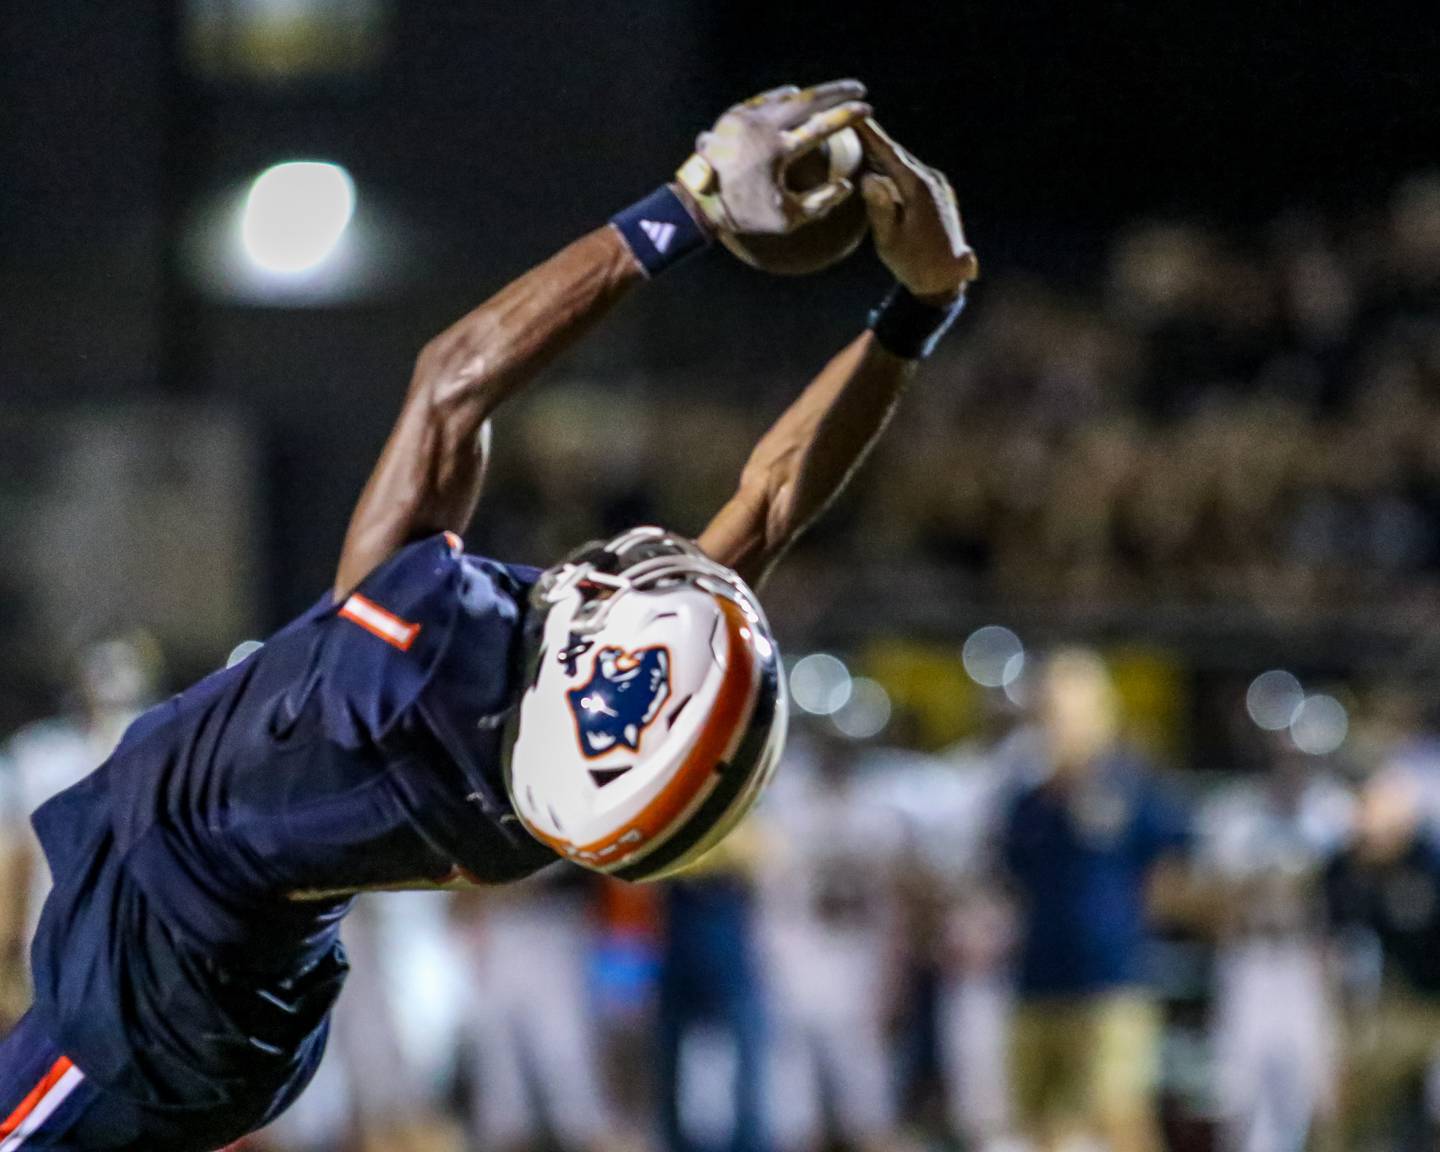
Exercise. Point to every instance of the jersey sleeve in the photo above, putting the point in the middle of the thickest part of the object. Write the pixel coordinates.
(381, 644)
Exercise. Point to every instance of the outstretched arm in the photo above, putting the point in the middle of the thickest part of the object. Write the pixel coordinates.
(807, 458)
(809, 455)
(429, 475)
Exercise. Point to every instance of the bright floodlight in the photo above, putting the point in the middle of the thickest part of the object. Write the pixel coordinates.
(1273, 698)
(1320, 725)
(820, 684)
(993, 656)
(295, 215)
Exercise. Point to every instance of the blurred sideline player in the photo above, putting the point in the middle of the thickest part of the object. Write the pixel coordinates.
(958, 928)
(712, 1011)
(1263, 848)
(1386, 882)
(528, 1020)
(978, 1002)
(1087, 836)
(829, 923)
(440, 718)
(114, 682)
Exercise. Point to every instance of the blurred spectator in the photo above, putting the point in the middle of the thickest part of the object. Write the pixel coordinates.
(536, 1071)
(713, 1025)
(114, 681)
(980, 936)
(1264, 848)
(1387, 883)
(1088, 834)
(830, 925)
(1244, 423)
(957, 928)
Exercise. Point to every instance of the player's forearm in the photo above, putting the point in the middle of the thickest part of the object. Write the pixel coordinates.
(429, 477)
(808, 457)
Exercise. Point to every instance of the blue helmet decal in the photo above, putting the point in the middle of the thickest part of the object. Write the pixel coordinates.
(624, 694)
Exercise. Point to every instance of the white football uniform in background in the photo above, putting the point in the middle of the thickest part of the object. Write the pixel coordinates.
(951, 805)
(1275, 1031)
(828, 922)
(528, 1017)
(41, 760)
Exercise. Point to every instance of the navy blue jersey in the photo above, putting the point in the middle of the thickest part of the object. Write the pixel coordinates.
(189, 948)
(1080, 856)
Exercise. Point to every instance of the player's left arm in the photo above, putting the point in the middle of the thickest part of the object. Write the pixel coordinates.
(807, 458)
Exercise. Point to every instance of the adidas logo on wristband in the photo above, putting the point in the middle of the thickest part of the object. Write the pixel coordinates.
(660, 233)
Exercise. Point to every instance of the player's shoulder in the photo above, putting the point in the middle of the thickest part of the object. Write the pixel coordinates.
(429, 578)
(433, 622)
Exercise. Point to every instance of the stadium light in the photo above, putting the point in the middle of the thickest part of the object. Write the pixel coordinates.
(295, 216)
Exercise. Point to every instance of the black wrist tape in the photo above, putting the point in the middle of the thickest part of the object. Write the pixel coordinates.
(660, 230)
(909, 327)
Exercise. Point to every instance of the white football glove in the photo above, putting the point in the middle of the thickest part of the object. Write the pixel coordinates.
(737, 174)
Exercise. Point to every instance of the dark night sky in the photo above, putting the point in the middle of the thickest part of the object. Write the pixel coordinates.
(498, 130)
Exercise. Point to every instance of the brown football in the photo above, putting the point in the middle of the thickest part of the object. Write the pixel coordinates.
(825, 242)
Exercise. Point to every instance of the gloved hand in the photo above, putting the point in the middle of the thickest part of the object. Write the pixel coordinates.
(914, 218)
(737, 175)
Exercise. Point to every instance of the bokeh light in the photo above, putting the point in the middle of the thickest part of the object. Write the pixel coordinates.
(993, 656)
(820, 684)
(1320, 725)
(1273, 698)
(295, 215)
(867, 711)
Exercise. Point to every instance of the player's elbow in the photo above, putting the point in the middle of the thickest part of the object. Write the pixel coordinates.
(453, 370)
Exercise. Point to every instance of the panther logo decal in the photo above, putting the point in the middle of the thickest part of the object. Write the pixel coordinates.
(624, 694)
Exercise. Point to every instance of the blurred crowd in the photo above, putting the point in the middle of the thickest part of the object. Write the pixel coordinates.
(1208, 418)
(1035, 938)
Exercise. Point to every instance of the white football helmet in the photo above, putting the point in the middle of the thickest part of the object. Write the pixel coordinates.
(653, 710)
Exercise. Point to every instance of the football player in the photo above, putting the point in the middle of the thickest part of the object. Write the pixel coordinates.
(441, 718)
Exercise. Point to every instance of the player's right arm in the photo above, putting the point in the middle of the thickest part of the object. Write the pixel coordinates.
(429, 476)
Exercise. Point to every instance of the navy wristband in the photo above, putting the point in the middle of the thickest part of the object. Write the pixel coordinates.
(910, 328)
(660, 230)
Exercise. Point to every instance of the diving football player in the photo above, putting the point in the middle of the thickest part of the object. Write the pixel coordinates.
(443, 718)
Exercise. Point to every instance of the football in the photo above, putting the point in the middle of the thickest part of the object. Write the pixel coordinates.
(825, 242)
